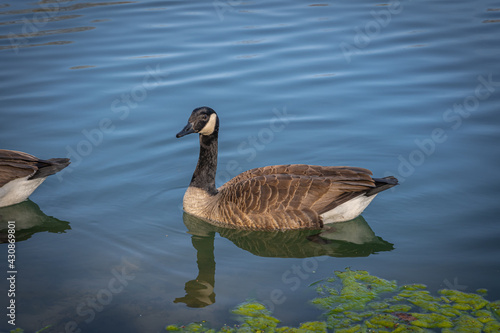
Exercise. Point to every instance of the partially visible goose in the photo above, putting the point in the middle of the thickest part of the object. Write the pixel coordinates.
(295, 196)
(21, 174)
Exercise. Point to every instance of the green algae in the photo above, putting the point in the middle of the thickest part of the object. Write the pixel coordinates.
(253, 317)
(465, 324)
(415, 286)
(403, 309)
(491, 327)
(385, 320)
(495, 308)
(466, 301)
(255, 313)
(482, 292)
(483, 316)
(355, 301)
(378, 305)
(353, 329)
(430, 320)
(358, 288)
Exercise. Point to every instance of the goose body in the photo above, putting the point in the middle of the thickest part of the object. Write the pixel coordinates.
(22, 173)
(295, 196)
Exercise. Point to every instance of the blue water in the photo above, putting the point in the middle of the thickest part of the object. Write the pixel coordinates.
(410, 89)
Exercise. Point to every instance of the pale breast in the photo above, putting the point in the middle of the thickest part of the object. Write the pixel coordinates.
(197, 202)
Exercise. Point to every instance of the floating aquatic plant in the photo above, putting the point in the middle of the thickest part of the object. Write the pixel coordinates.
(255, 318)
(355, 301)
(382, 306)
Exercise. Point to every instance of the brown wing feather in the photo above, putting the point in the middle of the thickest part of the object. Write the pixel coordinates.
(15, 164)
(11, 171)
(13, 155)
(352, 173)
(289, 196)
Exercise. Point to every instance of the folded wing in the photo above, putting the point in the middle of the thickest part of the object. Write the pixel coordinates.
(274, 197)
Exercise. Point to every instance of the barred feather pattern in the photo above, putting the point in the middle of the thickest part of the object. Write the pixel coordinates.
(281, 196)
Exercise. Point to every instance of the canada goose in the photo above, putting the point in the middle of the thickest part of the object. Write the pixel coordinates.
(21, 174)
(295, 196)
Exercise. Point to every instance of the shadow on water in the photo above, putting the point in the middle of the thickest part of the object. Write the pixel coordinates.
(29, 220)
(354, 238)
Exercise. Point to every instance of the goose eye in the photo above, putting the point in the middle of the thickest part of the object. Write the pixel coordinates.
(205, 117)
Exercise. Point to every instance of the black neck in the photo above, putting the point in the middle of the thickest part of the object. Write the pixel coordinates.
(204, 175)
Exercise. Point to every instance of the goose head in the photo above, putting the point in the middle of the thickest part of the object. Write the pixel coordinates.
(203, 120)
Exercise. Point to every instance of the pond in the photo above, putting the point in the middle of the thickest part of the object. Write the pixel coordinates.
(403, 88)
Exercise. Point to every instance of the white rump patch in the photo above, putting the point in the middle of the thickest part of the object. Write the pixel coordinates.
(348, 210)
(210, 126)
(18, 190)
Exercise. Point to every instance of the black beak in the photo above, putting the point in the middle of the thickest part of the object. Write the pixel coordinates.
(188, 129)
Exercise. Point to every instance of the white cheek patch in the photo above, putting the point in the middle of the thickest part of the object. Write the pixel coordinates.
(210, 126)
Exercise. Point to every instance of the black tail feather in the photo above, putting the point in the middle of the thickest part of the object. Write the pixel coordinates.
(50, 167)
(382, 184)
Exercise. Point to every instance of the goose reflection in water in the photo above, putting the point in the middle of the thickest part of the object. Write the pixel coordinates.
(29, 220)
(354, 238)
